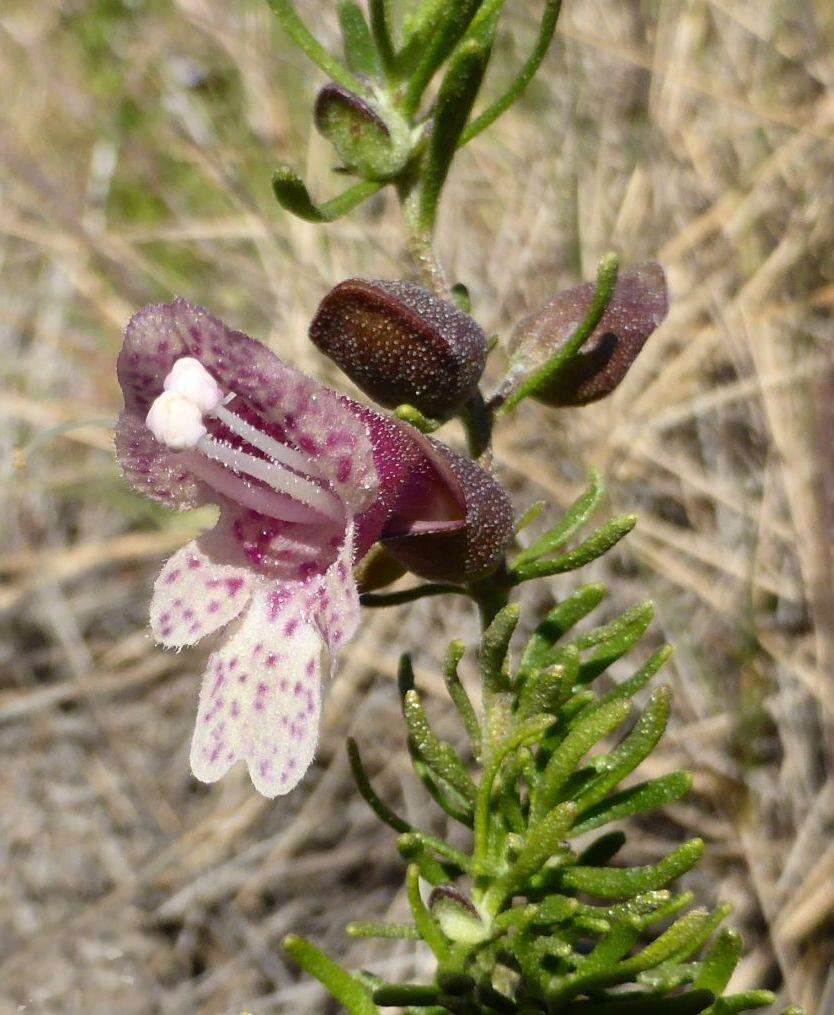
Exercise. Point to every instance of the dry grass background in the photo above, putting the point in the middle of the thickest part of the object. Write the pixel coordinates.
(136, 140)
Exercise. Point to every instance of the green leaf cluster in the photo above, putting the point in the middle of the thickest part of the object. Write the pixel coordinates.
(410, 85)
(538, 915)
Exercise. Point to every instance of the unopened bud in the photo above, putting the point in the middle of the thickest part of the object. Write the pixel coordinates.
(638, 305)
(374, 140)
(459, 920)
(401, 345)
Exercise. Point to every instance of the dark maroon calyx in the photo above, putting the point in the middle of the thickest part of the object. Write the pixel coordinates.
(453, 520)
(401, 344)
(638, 306)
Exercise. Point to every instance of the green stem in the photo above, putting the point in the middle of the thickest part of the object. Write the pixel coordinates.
(378, 599)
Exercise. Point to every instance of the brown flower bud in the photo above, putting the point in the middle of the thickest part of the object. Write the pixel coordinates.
(400, 344)
(638, 305)
(452, 522)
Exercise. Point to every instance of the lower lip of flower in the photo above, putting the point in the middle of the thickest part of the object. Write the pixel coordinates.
(285, 484)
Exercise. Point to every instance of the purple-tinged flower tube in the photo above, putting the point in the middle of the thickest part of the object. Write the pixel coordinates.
(306, 482)
(401, 344)
(453, 520)
(638, 306)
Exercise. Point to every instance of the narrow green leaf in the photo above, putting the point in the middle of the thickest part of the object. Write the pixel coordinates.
(607, 273)
(574, 518)
(360, 52)
(377, 600)
(640, 1003)
(340, 984)
(419, 25)
(530, 515)
(542, 842)
(635, 909)
(363, 784)
(307, 43)
(448, 28)
(546, 690)
(457, 692)
(495, 645)
(668, 975)
(382, 33)
(293, 196)
(618, 883)
(527, 732)
(538, 650)
(676, 904)
(428, 929)
(395, 931)
(626, 631)
(522, 79)
(647, 796)
(696, 942)
(628, 688)
(617, 943)
(392, 995)
(612, 967)
(720, 962)
(414, 850)
(572, 749)
(455, 99)
(440, 757)
(748, 1000)
(636, 747)
(670, 942)
(603, 540)
(554, 909)
(443, 794)
(642, 613)
(460, 861)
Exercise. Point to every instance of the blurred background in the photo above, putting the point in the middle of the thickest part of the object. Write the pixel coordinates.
(136, 143)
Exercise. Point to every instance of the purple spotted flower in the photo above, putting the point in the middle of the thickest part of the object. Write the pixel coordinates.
(306, 482)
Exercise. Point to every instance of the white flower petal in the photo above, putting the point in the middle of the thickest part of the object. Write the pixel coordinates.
(261, 697)
(193, 596)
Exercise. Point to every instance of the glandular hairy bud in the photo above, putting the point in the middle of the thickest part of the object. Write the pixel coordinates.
(452, 522)
(638, 305)
(401, 345)
(372, 139)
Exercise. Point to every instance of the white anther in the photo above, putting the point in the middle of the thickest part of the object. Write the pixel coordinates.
(189, 378)
(175, 421)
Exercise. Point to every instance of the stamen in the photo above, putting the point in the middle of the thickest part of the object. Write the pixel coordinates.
(277, 451)
(265, 502)
(274, 475)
